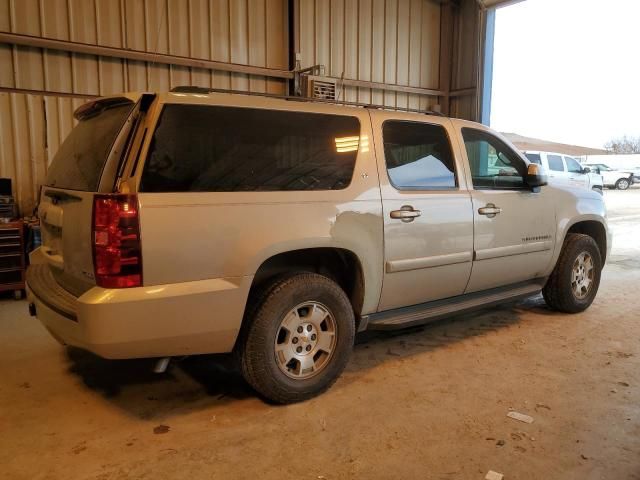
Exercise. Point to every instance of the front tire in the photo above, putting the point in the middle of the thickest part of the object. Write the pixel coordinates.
(622, 184)
(298, 338)
(574, 282)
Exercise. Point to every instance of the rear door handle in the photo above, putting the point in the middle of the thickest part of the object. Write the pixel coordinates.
(406, 213)
(490, 210)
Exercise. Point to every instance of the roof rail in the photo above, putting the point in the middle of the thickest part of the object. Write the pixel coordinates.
(205, 91)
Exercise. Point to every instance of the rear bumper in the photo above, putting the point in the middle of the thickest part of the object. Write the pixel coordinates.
(187, 318)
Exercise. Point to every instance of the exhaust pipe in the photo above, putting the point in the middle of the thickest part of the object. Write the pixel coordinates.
(161, 365)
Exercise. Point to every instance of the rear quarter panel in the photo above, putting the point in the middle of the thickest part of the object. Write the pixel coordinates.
(200, 235)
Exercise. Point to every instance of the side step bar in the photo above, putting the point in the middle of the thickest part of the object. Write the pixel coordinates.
(436, 310)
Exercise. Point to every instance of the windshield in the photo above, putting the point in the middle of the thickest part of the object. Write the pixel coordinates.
(81, 158)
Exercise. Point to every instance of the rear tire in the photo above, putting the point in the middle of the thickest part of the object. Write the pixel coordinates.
(298, 337)
(622, 184)
(574, 282)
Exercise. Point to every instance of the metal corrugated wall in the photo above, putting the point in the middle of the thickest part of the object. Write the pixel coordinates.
(385, 41)
(419, 44)
(465, 71)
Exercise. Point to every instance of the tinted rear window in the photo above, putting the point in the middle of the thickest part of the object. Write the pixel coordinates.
(198, 148)
(81, 157)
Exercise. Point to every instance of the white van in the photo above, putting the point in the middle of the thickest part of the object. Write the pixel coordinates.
(566, 170)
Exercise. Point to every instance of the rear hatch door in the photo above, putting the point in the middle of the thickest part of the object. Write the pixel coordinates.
(87, 162)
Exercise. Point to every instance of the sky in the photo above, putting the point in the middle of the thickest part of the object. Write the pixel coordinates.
(568, 70)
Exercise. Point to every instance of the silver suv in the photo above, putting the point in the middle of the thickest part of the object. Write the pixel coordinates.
(200, 222)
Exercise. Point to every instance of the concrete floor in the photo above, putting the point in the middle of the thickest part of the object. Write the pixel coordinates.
(430, 403)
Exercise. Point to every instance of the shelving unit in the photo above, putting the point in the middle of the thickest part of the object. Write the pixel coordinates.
(12, 261)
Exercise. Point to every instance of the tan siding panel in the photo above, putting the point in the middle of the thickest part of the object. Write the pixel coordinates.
(276, 41)
(7, 146)
(6, 60)
(390, 48)
(199, 45)
(109, 32)
(350, 47)
(364, 48)
(377, 47)
(466, 47)
(220, 41)
(156, 40)
(57, 65)
(239, 41)
(179, 40)
(257, 42)
(23, 184)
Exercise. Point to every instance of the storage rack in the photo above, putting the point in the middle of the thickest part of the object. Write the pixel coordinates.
(12, 261)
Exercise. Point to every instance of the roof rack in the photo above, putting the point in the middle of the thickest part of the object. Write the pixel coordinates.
(206, 91)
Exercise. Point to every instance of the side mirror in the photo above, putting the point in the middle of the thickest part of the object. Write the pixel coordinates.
(536, 176)
(586, 170)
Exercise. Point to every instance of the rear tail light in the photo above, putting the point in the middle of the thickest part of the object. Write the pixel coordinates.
(117, 255)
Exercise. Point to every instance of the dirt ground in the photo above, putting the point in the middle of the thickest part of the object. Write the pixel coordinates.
(430, 403)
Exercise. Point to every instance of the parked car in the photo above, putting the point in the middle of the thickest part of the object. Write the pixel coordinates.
(566, 170)
(636, 174)
(612, 178)
(194, 222)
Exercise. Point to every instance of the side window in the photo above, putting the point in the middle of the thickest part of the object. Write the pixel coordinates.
(534, 158)
(555, 163)
(418, 156)
(198, 148)
(493, 164)
(572, 165)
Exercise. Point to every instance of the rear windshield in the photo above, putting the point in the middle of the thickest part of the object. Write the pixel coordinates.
(81, 157)
(199, 148)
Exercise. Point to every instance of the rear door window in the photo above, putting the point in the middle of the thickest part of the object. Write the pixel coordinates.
(198, 148)
(80, 159)
(418, 156)
(555, 163)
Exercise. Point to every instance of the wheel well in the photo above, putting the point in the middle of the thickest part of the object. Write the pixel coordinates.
(596, 231)
(340, 265)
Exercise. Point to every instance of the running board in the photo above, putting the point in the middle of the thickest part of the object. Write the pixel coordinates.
(436, 310)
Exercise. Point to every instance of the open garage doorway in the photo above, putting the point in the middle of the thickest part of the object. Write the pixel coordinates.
(551, 63)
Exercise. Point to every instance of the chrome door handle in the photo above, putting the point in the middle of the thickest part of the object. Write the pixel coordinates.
(490, 210)
(406, 213)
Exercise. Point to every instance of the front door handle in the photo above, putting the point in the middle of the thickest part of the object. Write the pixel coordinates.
(406, 213)
(490, 210)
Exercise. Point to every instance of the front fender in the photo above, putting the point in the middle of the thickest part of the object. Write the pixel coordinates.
(573, 208)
